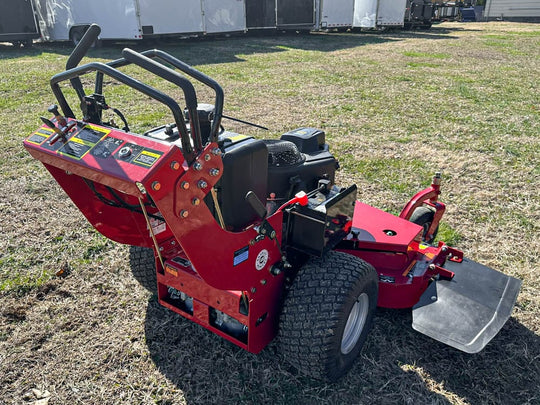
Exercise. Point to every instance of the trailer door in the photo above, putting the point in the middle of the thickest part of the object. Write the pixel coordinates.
(391, 13)
(336, 13)
(261, 13)
(224, 16)
(17, 20)
(295, 13)
(169, 17)
(365, 13)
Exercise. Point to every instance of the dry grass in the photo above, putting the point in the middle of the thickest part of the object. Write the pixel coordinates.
(396, 106)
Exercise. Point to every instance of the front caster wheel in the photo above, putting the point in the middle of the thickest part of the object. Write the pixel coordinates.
(423, 216)
(328, 314)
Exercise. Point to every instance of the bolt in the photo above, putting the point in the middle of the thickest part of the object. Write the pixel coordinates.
(195, 201)
(444, 248)
(175, 165)
(214, 172)
(433, 298)
(263, 282)
(207, 157)
(184, 185)
(202, 184)
(253, 290)
(198, 166)
(275, 271)
(184, 214)
(156, 186)
(432, 267)
(216, 151)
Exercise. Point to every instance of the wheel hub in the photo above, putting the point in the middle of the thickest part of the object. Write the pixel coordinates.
(355, 324)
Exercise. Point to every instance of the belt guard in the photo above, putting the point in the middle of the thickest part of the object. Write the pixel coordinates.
(467, 311)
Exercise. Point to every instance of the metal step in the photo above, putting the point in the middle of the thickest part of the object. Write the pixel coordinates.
(469, 310)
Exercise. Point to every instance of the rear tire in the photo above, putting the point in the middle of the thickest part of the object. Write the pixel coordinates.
(143, 267)
(423, 216)
(328, 314)
(77, 33)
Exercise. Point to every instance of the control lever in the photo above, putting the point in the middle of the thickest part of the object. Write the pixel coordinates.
(265, 229)
(256, 204)
(58, 133)
(53, 109)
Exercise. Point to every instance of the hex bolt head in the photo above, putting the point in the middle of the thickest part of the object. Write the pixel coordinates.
(202, 184)
(253, 290)
(156, 186)
(198, 166)
(175, 165)
(184, 214)
(214, 172)
(195, 201)
(207, 157)
(184, 185)
(216, 152)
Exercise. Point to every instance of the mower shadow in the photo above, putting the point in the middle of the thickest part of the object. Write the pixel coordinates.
(392, 368)
(227, 49)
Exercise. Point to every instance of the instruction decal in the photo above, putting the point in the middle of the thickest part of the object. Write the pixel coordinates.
(241, 256)
(40, 136)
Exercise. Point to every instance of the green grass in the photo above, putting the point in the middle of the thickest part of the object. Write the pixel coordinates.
(396, 107)
(416, 54)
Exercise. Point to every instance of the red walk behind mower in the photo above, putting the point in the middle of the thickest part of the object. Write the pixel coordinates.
(251, 238)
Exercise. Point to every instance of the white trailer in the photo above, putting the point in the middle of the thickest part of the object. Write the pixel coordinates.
(335, 13)
(522, 10)
(365, 13)
(170, 17)
(221, 16)
(391, 13)
(379, 13)
(63, 20)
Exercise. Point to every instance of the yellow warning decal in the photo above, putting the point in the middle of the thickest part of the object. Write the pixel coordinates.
(147, 158)
(237, 138)
(99, 129)
(38, 137)
(75, 148)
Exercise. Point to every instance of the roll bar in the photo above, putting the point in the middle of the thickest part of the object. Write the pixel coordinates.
(145, 61)
(135, 84)
(173, 77)
(187, 69)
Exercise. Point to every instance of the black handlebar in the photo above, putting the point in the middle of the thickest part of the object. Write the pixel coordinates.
(144, 60)
(173, 77)
(198, 75)
(190, 71)
(135, 84)
(89, 37)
